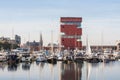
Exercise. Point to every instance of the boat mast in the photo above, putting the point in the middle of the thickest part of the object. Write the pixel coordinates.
(12, 38)
(59, 42)
(102, 41)
(29, 42)
(52, 42)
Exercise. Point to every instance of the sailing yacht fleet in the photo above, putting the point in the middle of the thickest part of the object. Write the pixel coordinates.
(64, 55)
(54, 55)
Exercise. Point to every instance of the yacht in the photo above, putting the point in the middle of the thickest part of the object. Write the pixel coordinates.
(59, 57)
(89, 56)
(2, 57)
(52, 59)
(13, 57)
(41, 58)
(26, 57)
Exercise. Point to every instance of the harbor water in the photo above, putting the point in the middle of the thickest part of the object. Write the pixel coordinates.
(60, 71)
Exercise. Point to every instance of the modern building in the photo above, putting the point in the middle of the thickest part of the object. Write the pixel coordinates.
(18, 39)
(72, 32)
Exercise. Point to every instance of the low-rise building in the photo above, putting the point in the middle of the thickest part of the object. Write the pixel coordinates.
(118, 45)
(34, 46)
(101, 47)
(7, 43)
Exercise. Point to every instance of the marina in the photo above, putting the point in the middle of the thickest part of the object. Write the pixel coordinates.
(58, 64)
(63, 65)
(59, 40)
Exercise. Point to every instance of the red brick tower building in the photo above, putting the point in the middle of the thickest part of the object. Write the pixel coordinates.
(71, 27)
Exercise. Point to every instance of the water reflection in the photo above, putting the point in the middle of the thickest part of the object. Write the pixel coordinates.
(94, 64)
(99, 71)
(71, 71)
(41, 64)
(26, 66)
(12, 66)
(60, 71)
(88, 70)
(2, 65)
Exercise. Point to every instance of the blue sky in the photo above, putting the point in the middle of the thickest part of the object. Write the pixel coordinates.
(35, 16)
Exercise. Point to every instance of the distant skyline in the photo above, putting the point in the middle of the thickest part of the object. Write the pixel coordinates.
(101, 19)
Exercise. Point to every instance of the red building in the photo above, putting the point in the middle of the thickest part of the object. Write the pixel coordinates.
(71, 27)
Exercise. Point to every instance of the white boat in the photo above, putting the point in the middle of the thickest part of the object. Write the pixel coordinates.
(59, 54)
(26, 57)
(52, 59)
(2, 57)
(41, 58)
(109, 56)
(59, 57)
(105, 59)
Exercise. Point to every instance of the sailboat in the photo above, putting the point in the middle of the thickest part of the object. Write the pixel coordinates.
(52, 58)
(40, 55)
(26, 56)
(59, 51)
(89, 55)
(88, 49)
(13, 56)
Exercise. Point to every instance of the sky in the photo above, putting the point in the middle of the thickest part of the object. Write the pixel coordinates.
(29, 18)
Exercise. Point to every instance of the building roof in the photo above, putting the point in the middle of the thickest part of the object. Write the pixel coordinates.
(71, 19)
